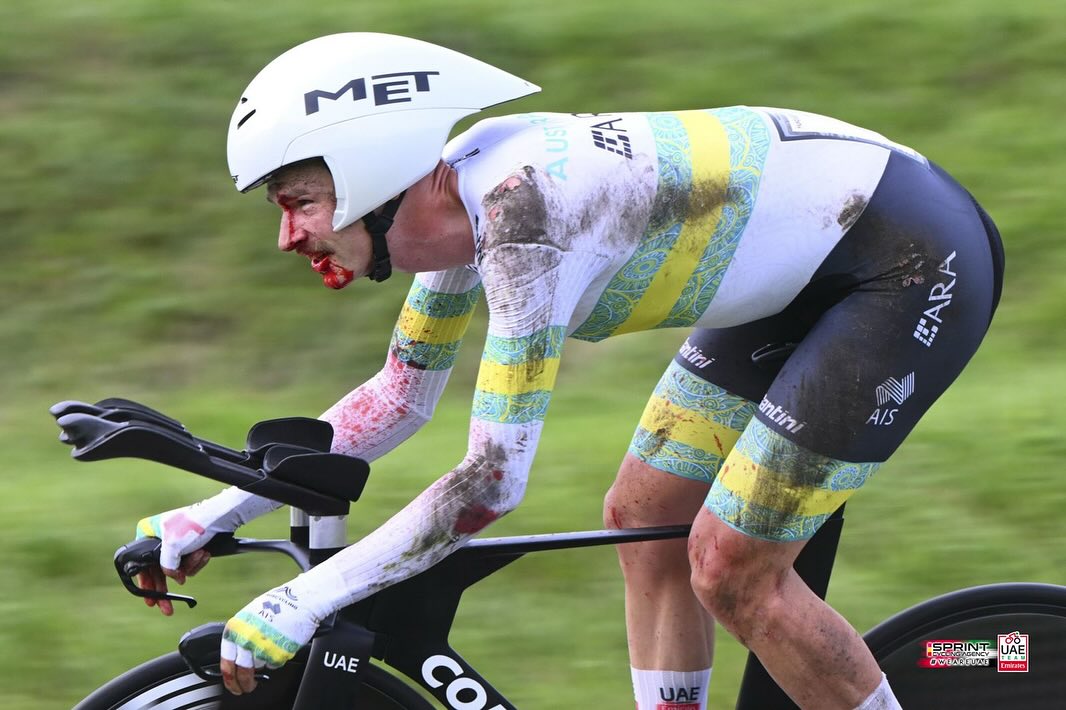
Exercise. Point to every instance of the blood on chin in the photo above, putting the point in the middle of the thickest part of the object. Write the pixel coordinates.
(338, 279)
(334, 276)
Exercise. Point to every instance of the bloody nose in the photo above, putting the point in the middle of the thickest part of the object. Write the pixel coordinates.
(289, 236)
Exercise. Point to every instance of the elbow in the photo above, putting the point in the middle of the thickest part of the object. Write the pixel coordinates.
(512, 495)
(499, 494)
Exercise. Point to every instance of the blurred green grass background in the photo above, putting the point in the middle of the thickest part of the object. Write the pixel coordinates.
(132, 268)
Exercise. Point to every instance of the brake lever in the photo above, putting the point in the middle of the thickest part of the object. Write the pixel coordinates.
(135, 557)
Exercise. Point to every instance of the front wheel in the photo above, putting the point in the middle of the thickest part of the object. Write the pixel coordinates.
(945, 652)
(166, 683)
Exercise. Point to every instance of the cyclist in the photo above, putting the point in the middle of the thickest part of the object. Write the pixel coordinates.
(837, 282)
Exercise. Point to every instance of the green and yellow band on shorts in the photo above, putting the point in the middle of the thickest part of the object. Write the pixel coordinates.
(431, 326)
(773, 489)
(689, 425)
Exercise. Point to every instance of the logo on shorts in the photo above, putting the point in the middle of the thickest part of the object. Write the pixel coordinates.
(690, 353)
(891, 390)
(1013, 653)
(929, 324)
(779, 416)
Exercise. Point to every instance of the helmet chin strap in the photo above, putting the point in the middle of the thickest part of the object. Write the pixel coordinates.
(378, 225)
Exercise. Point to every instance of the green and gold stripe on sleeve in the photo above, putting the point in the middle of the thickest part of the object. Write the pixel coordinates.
(431, 326)
(517, 375)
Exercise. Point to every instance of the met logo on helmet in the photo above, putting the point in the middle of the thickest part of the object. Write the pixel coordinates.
(387, 89)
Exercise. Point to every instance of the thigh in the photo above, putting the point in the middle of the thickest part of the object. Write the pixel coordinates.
(700, 405)
(712, 388)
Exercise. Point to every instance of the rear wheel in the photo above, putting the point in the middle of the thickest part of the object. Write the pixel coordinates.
(900, 645)
(166, 683)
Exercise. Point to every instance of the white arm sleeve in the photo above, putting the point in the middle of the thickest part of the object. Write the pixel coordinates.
(388, 408)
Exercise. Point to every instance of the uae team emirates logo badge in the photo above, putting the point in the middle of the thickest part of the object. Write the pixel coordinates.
(1013, 653)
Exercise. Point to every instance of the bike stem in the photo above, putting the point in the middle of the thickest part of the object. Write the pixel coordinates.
(327, 534)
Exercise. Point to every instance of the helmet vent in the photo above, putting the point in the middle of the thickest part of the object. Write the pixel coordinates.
(242, 121)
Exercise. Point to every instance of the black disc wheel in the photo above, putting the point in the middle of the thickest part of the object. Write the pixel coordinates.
(982, 648)
(166, 683)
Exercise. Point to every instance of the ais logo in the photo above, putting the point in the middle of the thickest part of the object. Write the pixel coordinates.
(889, 391)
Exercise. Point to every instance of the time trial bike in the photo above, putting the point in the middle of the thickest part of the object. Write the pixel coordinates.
(981, 648)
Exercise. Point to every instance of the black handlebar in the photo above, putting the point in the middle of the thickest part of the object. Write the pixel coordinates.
(139, 555)
(287, 460)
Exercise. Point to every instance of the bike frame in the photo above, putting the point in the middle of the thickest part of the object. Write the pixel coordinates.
(408, 624)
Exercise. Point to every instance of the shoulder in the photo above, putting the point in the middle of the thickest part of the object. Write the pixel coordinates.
(553, 179)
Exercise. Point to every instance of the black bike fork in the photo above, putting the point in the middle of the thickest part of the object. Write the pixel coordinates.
(758, 691)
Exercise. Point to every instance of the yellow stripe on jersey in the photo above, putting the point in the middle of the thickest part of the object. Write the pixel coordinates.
(517, 379)
(711, 168)
(427, 329)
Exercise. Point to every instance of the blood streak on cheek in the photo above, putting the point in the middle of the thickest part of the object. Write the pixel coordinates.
(474, 519)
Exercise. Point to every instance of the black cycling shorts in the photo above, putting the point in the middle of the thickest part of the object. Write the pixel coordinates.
(887, 322)
(789, 415)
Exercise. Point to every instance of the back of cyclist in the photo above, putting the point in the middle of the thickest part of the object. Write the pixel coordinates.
(837, 283)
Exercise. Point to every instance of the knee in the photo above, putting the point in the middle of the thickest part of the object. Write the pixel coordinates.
(616, 509)
(625, 507)
(737, 591)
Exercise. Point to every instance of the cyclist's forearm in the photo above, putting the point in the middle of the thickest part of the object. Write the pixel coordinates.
(432, 526)
(230, 509)
(384, 411)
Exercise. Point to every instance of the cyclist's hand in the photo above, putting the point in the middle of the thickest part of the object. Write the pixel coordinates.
(180, 555)
(267, 632)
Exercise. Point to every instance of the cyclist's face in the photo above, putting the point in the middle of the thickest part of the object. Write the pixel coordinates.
(305, 195)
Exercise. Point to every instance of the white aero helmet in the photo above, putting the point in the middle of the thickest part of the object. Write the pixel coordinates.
(377, 108)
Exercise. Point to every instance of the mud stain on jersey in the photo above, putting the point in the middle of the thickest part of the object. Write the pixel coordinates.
(853, 209)
(513, 274)
(620, 210)
(464, 502)
(516, 212)
(911, 267)
(681, 203)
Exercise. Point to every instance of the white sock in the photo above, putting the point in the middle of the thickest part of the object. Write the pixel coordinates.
(671, 690)
(881, 699)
